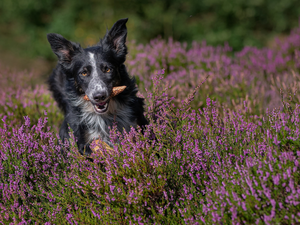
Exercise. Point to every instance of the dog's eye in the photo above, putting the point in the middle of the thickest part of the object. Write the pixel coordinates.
(107, 70)
(84, 74)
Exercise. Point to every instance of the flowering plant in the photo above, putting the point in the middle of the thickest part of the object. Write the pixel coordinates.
(221, 150)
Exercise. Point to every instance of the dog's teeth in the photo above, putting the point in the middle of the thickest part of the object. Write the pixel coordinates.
(101, 108)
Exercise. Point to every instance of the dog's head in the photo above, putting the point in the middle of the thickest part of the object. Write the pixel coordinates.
(95, 69)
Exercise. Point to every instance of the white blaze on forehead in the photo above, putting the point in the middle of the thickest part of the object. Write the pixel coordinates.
(95, 84)
(93, 62)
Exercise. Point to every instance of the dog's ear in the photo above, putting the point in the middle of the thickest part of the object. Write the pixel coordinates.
(64, 49)
(115, 39)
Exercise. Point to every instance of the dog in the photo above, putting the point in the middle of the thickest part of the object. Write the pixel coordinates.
(94, 72)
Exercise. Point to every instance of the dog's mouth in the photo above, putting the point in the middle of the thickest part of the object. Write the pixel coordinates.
(101, 107)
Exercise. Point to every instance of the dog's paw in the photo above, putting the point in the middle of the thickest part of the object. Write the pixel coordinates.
(85, 150)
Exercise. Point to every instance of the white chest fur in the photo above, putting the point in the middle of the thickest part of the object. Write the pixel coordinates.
(98, 126)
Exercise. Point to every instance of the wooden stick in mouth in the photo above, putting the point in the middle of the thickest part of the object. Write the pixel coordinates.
(115, 92)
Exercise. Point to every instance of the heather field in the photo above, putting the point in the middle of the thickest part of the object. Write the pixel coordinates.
(227, 147)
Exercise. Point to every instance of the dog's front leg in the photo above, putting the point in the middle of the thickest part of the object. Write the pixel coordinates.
(84, 149)
(64, 134)
(83, 145)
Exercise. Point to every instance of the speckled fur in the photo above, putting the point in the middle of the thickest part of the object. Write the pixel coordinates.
(69, 86)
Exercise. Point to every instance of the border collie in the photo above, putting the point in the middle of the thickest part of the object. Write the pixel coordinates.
(94, 71)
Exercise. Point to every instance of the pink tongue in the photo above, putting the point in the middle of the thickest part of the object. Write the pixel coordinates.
(102, 103)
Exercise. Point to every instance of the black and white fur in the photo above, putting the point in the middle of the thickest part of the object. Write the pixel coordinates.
(94, 71)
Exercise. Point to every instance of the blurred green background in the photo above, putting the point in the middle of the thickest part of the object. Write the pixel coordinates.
(25, 23)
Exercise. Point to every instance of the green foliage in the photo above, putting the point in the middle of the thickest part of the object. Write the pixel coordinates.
(238, 22)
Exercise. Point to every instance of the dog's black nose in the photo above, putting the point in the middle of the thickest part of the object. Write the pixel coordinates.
(99, 96)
